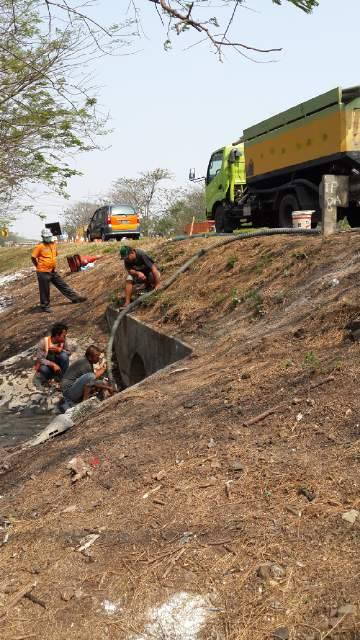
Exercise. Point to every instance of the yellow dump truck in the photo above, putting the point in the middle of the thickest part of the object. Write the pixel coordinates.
(278, 164)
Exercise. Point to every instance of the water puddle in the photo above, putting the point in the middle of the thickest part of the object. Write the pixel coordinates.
(15, 429)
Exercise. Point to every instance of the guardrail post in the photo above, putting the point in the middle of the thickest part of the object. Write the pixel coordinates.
(334, 193)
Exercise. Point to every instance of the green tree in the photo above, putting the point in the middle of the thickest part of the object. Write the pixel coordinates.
(183, 206)
(143, 193)
(47, 107)
(77, 216)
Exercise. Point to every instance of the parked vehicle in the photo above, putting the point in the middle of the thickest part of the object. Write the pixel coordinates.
(114, 221)
(278, 164)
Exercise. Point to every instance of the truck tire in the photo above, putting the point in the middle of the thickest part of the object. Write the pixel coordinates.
(219, 217)
(287, 205)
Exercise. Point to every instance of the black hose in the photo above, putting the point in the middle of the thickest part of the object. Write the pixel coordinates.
(185, 267)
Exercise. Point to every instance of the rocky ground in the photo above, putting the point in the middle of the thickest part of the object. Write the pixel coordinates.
(218, 499)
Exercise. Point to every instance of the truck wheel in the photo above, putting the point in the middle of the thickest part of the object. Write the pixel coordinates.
(219, 218)
(104, 237)
(288, 204)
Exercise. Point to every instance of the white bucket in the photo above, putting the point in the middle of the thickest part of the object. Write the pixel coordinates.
(301, 219)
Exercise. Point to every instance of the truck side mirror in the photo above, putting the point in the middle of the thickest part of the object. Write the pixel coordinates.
(234, 156)
(191, 175)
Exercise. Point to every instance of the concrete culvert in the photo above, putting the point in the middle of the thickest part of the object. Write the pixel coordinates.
(141, 350)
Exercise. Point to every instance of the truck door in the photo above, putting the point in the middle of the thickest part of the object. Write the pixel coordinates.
(216, 183)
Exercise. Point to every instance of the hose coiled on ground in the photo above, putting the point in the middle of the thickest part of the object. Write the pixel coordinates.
(228, 240)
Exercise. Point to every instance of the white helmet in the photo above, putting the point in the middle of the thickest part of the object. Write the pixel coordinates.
(47, 236)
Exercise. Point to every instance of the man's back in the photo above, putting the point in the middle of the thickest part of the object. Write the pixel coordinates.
(76, 369)
(142, 262)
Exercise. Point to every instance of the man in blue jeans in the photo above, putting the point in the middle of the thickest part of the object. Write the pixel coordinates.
(52, 356)
(80, 378)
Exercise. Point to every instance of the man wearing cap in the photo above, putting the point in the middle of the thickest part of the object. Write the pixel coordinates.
(43, 258)
(141, 269)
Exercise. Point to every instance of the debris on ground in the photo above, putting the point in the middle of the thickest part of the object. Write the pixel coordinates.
(351, 516)
(79, 469)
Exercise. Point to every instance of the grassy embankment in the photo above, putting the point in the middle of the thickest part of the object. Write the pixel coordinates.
(16, 258)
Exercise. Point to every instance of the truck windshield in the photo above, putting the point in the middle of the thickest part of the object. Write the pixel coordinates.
(215, 165)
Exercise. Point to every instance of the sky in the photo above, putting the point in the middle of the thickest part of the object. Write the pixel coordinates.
(171, 109)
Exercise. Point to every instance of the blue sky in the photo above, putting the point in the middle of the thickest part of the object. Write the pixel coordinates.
(171, 109)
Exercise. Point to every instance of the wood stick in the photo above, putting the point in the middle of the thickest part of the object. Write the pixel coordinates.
(272, 410)
(17, 597)
(318, 384)
(263, 415)
(172, 563)
(35, 599)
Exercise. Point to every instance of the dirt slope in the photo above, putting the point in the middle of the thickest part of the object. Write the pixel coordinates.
(184, 496)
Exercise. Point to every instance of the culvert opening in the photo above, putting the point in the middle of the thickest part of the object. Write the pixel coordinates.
(137, 370)
(140, 350)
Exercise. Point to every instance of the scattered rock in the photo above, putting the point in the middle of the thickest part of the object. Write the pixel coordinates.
(299, 417)
(296, 400)
(189, 404)
(245, 375)
(310, 495)
(237, 466)
(281, 633)
(70, 509)
(160, 475)
(293, 510)
(299, 333)
(271, 570)
(86, 542)
(350, 516)
(211, 443)
(67, 595)
(346, 610)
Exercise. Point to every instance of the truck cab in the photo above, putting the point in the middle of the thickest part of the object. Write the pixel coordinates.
(225, 181)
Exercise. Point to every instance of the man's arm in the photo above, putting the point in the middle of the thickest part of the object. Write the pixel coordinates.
(34, 256)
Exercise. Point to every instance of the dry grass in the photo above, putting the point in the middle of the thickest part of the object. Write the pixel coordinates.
(191, 425)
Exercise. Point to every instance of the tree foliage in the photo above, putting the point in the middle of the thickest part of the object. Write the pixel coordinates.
(213, 21)
(183, 206)
(77, 216)
(143, 193)
(47, 104)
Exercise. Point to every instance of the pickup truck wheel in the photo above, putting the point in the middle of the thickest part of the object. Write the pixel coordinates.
(288, 204)
(219, 218)
(104, 236)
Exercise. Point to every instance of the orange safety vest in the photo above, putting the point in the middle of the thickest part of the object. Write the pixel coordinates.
(50, 346)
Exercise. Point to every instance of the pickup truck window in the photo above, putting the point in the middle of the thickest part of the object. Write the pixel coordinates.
(214, 165)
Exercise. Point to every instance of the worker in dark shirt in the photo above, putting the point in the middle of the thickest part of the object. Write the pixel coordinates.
(80, 379)
(141, 269)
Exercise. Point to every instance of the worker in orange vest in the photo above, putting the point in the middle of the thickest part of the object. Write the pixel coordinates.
(52, 356)
(44, 257)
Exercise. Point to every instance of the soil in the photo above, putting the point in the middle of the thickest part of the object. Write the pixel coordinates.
(226, 476)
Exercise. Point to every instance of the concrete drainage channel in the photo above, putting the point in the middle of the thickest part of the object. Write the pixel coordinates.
(141, 350)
